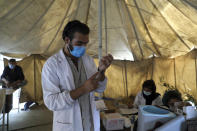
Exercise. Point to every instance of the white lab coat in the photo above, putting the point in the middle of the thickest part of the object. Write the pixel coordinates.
(140, 100)
(57, 82)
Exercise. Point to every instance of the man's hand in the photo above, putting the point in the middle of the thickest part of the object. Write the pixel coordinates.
(130, 105)
(105, 62)
(5, 81)
(14, 84)
(91, 84)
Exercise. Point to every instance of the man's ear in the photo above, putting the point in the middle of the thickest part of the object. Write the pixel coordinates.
(67, 40)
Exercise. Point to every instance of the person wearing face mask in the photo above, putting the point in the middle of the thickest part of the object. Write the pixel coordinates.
(12, 77)
(148, 95)
(69, 80)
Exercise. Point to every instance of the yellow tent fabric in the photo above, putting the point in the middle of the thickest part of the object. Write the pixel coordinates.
(179, 72)
(132, 29)
(125, 78)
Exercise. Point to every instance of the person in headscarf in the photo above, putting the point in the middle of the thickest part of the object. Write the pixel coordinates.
(148, 95)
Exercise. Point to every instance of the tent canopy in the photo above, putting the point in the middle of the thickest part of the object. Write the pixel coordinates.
(132, 29)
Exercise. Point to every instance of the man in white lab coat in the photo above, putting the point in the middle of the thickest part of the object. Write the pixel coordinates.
(69, 80)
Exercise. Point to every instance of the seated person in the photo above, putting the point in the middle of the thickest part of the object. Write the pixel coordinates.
(171, 97)
(12, 75)
(148, 95)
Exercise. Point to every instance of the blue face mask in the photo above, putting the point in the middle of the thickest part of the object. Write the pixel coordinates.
(147, 93)
(11, 66)
(78, 51)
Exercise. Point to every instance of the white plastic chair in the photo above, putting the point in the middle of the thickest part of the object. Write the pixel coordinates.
(2, 103)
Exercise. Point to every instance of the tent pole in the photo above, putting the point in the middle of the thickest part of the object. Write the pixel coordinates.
(125, 67)
(100, 33)
(100, 28)
(106, 39)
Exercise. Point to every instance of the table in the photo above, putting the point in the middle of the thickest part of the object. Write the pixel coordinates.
(7, 105)
(116, 108)
(103, 128)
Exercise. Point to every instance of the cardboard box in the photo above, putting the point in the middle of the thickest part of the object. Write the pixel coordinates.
(113, 121)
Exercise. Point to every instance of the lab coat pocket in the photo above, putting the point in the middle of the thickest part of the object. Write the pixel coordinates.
(64, 126)
(65, 116)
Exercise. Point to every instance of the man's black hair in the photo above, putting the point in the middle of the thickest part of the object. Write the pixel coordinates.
(12, 60)
(171, 94)
(74, 26)
(150, 84)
